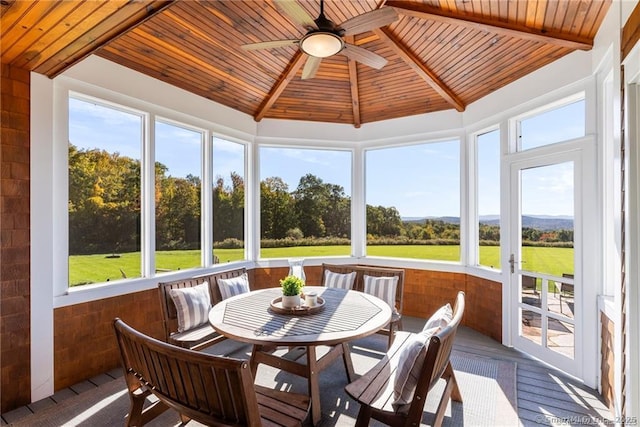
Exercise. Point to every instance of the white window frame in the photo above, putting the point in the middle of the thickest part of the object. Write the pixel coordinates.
(474, 199)
(459, 137)
(207, 226)
(515, 122)
(206, 258)
(355, 224)
(65, 295)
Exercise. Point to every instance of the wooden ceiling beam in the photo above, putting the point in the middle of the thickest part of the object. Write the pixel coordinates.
(100, 36)
(423, 11)
(416, 65)
(353, 84)
(286, 77)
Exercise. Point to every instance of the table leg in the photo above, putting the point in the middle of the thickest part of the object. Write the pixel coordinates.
(314, 385)
(253, 364)
(348, 363)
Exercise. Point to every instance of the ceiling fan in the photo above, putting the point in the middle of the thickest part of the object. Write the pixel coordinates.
(324, 38)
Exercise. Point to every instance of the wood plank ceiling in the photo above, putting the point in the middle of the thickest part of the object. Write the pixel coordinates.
(442, 54)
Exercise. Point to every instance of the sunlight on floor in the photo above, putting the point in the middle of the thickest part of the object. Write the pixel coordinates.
(86, 415)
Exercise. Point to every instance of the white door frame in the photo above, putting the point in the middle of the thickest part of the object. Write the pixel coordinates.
(581, 153)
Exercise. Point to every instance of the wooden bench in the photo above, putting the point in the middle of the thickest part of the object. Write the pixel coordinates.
(212, 390)
(374, 390)
(358, 285)
(203, 335)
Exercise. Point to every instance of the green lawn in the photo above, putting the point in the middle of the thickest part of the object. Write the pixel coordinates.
(99, 268)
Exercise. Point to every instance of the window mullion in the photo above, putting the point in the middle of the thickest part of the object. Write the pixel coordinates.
(148, 205)
(358, 205)
(206, 224)
(252, 201)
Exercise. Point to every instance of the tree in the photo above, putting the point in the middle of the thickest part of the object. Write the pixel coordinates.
(177, 212)
(489, 232)
(228, 209)
(312, 202)
(277, 209)
(383, 221)
(337, 217)
(104, 202)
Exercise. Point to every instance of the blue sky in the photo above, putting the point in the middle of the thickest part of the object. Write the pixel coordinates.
(291, 164)
(179, 149)
(419, 180)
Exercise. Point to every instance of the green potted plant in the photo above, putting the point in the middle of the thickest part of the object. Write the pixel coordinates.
(291, 288)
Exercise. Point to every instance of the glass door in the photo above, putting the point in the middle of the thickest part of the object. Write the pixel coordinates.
(543, 259)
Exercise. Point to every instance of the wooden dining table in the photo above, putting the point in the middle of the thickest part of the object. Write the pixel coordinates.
(345, 316)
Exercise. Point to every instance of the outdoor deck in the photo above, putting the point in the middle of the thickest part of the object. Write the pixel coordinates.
(544, 395)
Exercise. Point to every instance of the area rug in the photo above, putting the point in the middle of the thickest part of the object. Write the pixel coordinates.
(488, 388)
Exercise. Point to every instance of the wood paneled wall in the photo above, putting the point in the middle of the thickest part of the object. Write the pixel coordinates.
(425, 291)
(15, 296)
(84, 341)
(85, 345)
(607, 358)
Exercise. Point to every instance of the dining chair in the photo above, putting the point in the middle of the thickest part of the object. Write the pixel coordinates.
(529, 283)
(360, 274)
(564, 290)
(212, 390)
(377, 390)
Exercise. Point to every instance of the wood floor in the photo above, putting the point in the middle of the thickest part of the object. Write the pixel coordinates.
(545, 396)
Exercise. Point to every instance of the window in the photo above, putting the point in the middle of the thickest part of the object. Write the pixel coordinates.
(305, 202)
(108, 210)
(228, 200)
(559, 124)
(488, 198)
(413, 201)
(104, 192)
(178, 186)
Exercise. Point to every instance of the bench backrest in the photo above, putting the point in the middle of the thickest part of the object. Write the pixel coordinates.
(362, 270)
(169, 314)
(212, 390)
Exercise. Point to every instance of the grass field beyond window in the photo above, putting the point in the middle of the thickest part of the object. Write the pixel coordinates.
(100, 268)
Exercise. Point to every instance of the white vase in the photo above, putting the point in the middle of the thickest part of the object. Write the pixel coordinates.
(290, 301)
(296, 268)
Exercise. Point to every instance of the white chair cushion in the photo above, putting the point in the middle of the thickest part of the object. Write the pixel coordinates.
(233, 286)
(382, 287)
(410, 361)
(439, 319)
(192, 305)
(412, 357)
(339, 280)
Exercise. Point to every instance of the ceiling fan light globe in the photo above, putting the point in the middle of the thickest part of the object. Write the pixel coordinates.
(321, 44)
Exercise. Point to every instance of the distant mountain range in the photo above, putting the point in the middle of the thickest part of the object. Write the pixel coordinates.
(538, 222)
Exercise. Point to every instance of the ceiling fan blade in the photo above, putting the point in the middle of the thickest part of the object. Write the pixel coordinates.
(369, 21)
(268, 45)
(311, 67)
(363, 56)
(297, 13)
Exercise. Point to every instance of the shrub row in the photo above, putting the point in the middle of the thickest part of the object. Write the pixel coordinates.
(233, 243)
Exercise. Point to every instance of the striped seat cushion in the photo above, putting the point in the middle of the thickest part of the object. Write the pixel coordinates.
(412, 357)
(382, 287)
(233, 286)
(192, 305)
(339, 280)
(410, 361)
(440, 318)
